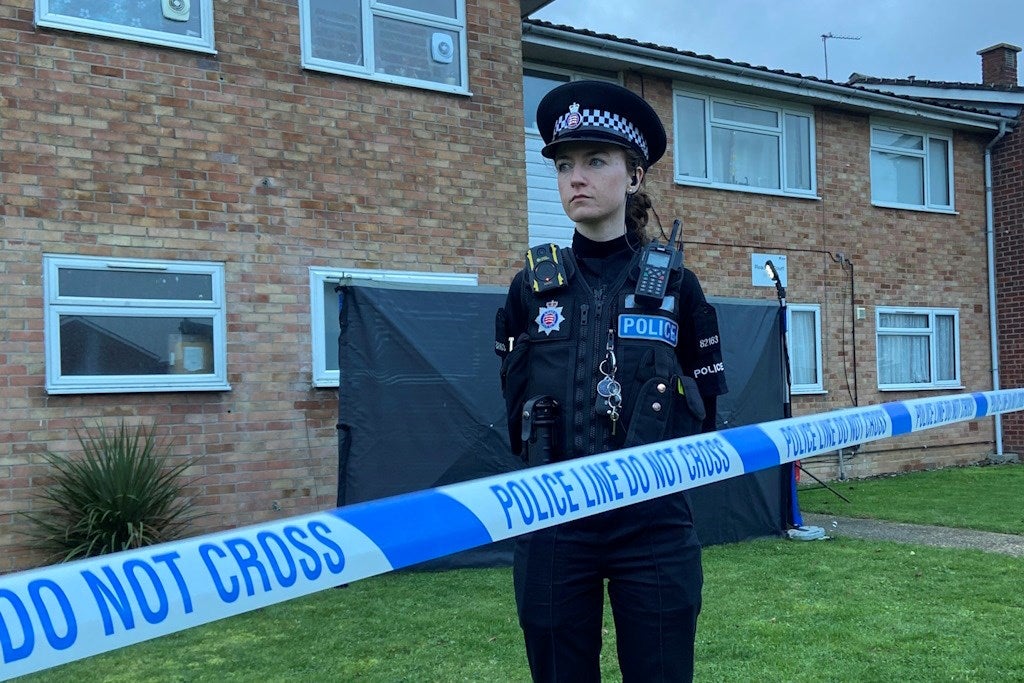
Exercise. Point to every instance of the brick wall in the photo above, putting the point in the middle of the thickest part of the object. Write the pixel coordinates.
(112, 148)
(1008, 224)
(900, 258)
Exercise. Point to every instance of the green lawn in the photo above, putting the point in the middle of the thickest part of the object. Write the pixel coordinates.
(775, 610)
(987, 498)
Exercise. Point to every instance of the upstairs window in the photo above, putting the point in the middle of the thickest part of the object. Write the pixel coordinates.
(419, 43)
(128, 325)
(184, 24)
(744, 144)
(918, 348)
(911, 169)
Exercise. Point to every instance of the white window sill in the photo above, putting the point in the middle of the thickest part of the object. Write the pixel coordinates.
(911, 387)
(912, 207)
(123, 32)
(135, 388)
(334, 68)
(683, 180)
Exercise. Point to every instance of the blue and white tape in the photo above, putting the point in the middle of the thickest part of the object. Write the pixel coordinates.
(61, 613)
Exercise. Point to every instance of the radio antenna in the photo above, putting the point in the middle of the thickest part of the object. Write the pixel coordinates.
(824, 45)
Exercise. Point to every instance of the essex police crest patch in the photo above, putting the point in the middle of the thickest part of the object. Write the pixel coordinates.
(550, 318)
(573, 119)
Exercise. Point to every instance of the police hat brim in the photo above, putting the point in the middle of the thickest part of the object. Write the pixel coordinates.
(605, 97)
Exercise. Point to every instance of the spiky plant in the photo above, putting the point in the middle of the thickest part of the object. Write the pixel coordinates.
(121, 493)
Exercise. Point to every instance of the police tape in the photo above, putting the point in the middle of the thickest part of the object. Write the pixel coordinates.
(61, 613)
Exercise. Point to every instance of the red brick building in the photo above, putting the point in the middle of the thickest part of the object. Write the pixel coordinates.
(1008, 220)
(179, 192)
(999, 92)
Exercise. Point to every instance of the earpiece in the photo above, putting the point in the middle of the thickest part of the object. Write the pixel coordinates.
(634, 184)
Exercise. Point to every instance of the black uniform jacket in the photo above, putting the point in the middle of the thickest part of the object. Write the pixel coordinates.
(668, 359)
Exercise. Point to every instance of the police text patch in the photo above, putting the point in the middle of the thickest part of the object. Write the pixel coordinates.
(632, 326)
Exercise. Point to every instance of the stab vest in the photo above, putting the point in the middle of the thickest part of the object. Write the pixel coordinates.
(568, 335)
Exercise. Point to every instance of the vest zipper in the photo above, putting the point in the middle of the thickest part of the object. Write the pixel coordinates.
(580, 383)
(593, 353)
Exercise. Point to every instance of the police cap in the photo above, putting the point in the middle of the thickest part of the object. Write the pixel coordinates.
(598, 111)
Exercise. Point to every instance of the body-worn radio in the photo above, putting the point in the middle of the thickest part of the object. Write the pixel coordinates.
(656, 265)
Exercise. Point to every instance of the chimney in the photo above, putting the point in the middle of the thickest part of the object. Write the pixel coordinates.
(999, 64)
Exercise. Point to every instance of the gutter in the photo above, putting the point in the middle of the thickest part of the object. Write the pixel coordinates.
(990, 244)
(812, 90)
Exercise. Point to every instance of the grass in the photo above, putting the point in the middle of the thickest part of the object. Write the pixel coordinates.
(984, 498)
(842, 610)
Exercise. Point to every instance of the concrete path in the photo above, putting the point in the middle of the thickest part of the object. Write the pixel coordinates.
(944, 537)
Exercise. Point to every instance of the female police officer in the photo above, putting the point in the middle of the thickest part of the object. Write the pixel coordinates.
(614, 346)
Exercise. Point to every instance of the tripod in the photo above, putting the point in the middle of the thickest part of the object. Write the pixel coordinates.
(787, 387)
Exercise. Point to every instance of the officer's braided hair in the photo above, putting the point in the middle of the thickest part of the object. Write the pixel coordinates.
(637, 204)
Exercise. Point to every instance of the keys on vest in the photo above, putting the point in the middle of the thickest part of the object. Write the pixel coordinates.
(608, 387)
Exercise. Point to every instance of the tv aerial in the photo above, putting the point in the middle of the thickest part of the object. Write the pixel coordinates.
(824, 45)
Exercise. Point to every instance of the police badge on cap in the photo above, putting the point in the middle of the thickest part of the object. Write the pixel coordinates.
(597, 111)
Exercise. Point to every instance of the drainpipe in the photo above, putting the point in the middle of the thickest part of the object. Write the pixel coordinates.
(991, 245)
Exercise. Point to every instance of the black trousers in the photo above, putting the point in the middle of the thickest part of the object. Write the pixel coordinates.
(650, 556)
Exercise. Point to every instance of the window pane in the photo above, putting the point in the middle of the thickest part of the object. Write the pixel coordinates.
(332, 325)
(903, 320)
(891, 138)
(122, 345)
(744, 158)
(444, 8)
(803, 348)
(897, 178)
(938, 172)
(749, 115)
(126, 284)
(134, 15)
(425, 53)
(945, 347)
(798, 152)
(903, 359)
(537, 84)
(691, 137)
(336, 31)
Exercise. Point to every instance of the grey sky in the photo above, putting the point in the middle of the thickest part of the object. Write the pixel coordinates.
(932, 39)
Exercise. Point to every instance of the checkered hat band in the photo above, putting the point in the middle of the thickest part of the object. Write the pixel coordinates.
(595, 118)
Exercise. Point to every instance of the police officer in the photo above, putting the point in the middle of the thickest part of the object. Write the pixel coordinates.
(594, 359)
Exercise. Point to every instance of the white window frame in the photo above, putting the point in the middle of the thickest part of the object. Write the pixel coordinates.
(47, 16)
(816, 387)
(779, 108)
(55, 304)
(371, 9)
(324, 321)
(929, 332)
(927, 135)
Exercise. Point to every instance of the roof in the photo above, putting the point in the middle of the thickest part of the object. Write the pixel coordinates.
(856, 78)
(589, 48)
(1004, 100)
(666, 49)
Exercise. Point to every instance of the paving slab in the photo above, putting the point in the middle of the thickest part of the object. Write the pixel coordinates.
(940, 536)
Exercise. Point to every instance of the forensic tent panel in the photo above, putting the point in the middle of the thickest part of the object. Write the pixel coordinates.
(420, 403)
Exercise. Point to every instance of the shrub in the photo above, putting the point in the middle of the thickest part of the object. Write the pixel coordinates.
(121, 494)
